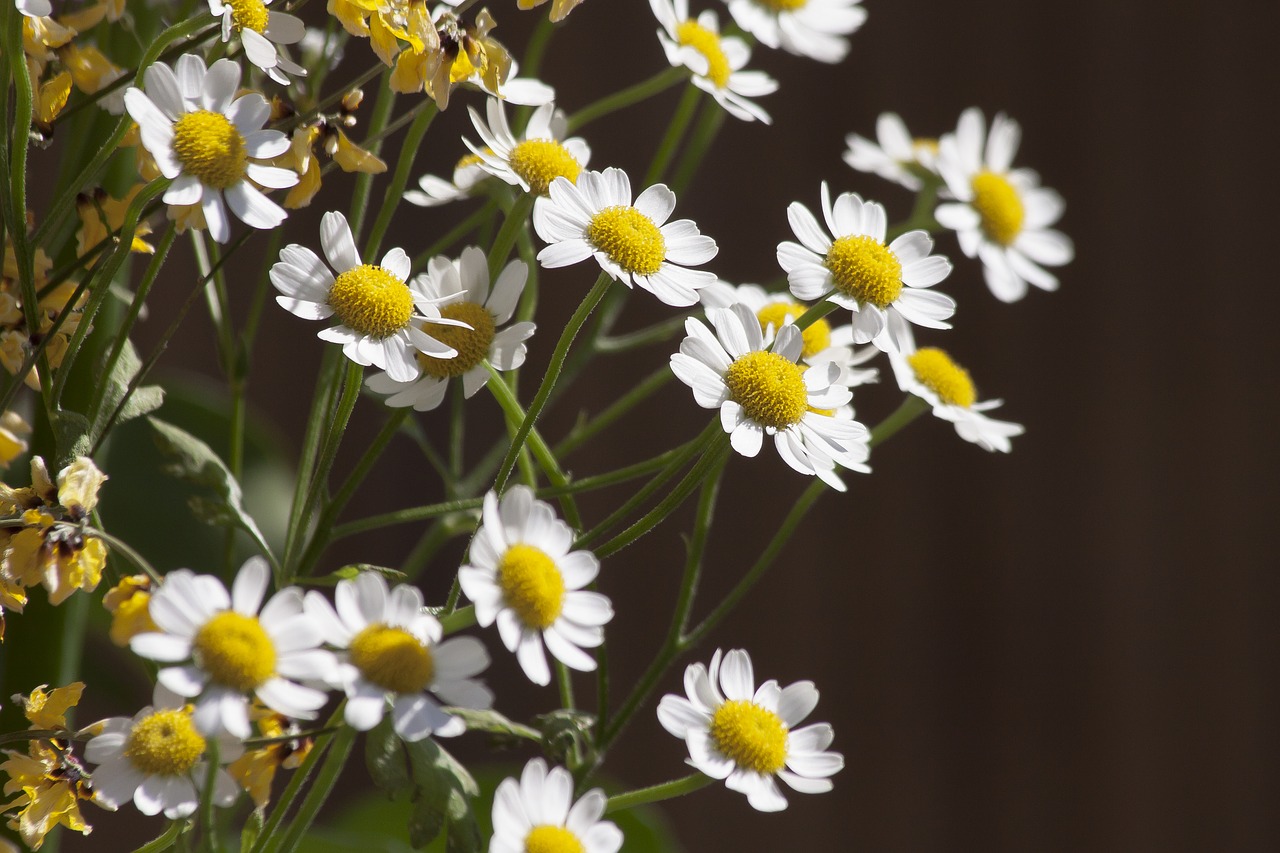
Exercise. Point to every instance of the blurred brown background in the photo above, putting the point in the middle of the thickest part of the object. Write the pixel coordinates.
(1069, 648)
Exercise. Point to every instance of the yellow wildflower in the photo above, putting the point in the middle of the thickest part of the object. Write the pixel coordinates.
(256, 769)
(13, 432)
(559, 8)
(49, 710)
(129, 604)
(101, 214)
(51, 783)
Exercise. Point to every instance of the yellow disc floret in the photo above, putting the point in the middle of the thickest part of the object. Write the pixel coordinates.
(629, 238)
(552, 839)
(706, 42)
(937, 372)
(371, 301)
(769, 387)
(1000, 207)
(864, 268)
(532, 585)
(783, 5)
(472, 344)
(248, 15)
(754, 737)
(164, 743)
(815, 339)
(210, 147)
(540, 161)
(392, 658)
(235, 650)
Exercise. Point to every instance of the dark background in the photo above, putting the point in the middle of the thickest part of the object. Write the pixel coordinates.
(1068, 648)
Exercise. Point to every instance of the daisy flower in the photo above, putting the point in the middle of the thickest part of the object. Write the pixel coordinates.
(716, 62)
(460, 289)
(1000, 216)
(234, 650)
(931, 374)
(394, 656)
(208, 144)
(820, 342)
(157, 760)
(763, 391)
(632, 243)
(537, 160)
(895, 155)
(34, 8)
(262, 35)
(538, 814)
(812, 28)
(523, 576)
(747, 736)
(468, 174)
(380, 317)
(882, 285)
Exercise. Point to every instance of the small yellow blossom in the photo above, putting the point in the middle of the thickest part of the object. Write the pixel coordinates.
(559, 8)
(129, 604)
(50, 784)
(256, 769)
(100, 214)
(49, 710)
(13, 432)
(327, 130)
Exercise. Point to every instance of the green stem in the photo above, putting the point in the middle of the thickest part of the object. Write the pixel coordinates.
(165, 840)
(291, 790)
(458, 620)
(565, 682)
(675, 132)
(364, 180)
(322, 399)
(320, 790)
(207, 822)
(658, 333)
(451, 237)
(712, 459)
(700, 140)
(643, 90)
(921, 212)
(912, 407)
(395, 190)
(585, 432)
(506, 239)
(657, 793)
(558, 356)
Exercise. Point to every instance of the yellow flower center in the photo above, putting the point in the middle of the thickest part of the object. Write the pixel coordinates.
(470, 160)
(629, 238)
(541, 161)
(754, 737)
(866, 270)
(532, 585)
(783, 5)
(472, 344)
(248, 15)
(814, 339)
(998, 204)
(208, 146)
(235, 650)
(937, 372)
(552, 839)
(371, 301)
(165, 743)
(769, 388)
(392, 658)
(704, 41)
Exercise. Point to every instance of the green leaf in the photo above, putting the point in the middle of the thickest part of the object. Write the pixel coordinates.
(143, 401)
(73, 436)
(193, 461)
(493, 723)
(252, 828)
(386, 759)
(442, 801)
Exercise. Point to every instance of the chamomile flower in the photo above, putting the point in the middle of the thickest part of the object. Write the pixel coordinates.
(468, 175)
(882, 285)
(812, 28)
(461, 291)
(208, 144)
(716, 61)
(34, 8)
(761, 391)
(226, 649)
(895, 155)
(380, 316)
(537, 160)
(748, 736)
(932, 375)
(157, 760)
(394, 656)
(523, 576)
(538, 815)
(262, 35)
(631, 242)
(821, 342)
(1001, 215)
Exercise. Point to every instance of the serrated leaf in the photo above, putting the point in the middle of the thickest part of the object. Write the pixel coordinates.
(143, 401)
(73, 436)
(193, 461)
(386, 759)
